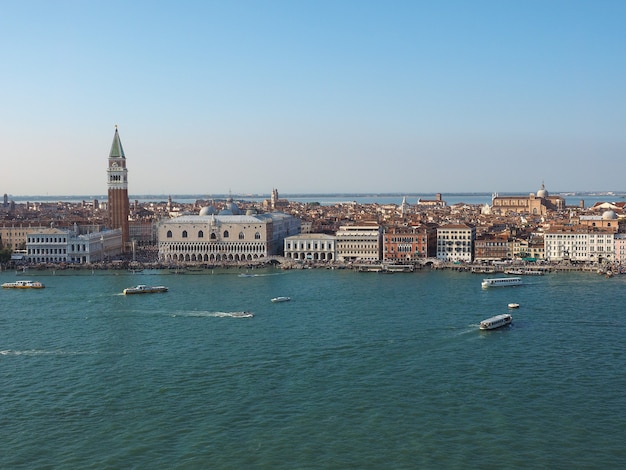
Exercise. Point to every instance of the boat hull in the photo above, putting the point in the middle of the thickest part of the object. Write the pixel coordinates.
(145, 290)
(496, 322)
(23, 285)
(501, 282)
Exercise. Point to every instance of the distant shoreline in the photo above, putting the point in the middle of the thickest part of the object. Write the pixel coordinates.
(243, 196)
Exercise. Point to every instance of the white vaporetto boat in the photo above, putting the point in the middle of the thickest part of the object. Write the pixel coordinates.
(281, 299)
(143, 289)
(23, 284)
(501, 282)
(496, 322)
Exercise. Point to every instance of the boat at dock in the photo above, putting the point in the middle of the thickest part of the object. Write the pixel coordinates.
(144, 289)
(482, 270)
(496, 322)
(524, 272)
(23, 284)
(501, 282)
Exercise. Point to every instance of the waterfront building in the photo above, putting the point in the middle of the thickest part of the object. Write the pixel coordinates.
(455, 242)
(493, 247)
(580, 243)
(409, 243)
(620, 248)
(528, 247)
(535, 204)
(56, 245)
(224, 236)
(311, 247)
(359, 243)
(117, 183)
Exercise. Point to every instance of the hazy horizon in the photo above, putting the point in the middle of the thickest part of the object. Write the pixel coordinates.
(308, 195)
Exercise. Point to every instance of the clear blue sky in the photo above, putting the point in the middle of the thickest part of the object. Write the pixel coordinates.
(314, 96)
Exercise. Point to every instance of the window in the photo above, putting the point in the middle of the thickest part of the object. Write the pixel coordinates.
(213, 236)
(241, 237)
(257, 236)
(184, 233)
(200, 234)
(169, 234)
(226, 234)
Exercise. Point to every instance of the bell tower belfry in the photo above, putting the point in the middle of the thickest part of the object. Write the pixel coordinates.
(117, 184)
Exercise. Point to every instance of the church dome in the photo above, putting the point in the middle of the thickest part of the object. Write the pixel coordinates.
(543, 192)
(609, 215)
(231, 207)
(207, 210)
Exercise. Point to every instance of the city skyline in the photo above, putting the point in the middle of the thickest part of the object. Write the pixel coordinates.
(314, 97)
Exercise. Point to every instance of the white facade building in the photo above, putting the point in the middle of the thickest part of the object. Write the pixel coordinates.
(65, 246)
(224, 237)
(311, 247)
(455, 242)
(359, 243)
(580, 244)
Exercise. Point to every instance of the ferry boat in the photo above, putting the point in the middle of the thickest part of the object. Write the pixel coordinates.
(23, 284)
(501, 282)
(144, 289)
(496, 322)
(281, 299)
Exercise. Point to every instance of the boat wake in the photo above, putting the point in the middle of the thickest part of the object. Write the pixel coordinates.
(36, 352)
(240, 314)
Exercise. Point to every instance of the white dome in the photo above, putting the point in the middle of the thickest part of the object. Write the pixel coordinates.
(208, 210)
(609, 215)
(543, 192)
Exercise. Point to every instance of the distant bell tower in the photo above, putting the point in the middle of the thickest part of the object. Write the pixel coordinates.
(117, 183)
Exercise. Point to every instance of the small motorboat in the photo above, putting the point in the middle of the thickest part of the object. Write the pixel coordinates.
(281, 299)
(144, 289)
(242, 314)
(513, 305)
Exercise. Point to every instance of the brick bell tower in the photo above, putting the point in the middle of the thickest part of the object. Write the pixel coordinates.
(117, 183)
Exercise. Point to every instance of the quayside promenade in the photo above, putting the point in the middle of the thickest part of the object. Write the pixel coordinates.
(280, 262)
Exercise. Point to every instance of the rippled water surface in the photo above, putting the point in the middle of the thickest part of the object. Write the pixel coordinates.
(358, 370)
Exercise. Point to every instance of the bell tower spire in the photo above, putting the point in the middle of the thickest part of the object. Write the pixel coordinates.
(117, 183)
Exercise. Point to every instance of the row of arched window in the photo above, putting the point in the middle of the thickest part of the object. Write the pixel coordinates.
(213, 236)
(215, 248)
(210, 258)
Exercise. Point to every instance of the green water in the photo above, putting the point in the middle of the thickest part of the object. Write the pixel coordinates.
(358, 370)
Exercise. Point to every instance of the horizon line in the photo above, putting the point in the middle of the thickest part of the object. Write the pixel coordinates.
(314, 194)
